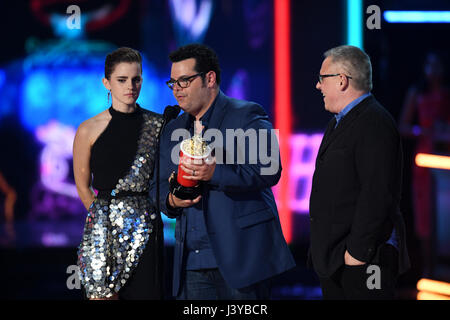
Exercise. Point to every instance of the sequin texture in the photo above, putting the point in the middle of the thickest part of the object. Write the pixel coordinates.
(117, 229)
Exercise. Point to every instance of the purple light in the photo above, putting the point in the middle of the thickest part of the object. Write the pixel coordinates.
(304, 149)
(239, 83)
(50, 239)
(55, 157)
(191, 18)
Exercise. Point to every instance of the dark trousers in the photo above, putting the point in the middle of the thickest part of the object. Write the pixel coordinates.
(208, 284)
(365, 282)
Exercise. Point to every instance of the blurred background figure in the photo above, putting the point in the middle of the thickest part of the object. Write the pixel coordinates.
(10, 197)
(426, 118)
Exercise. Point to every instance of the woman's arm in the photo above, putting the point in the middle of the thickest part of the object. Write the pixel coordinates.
(81, 168)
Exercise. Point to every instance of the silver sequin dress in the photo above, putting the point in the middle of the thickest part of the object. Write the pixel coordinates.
(121, 220)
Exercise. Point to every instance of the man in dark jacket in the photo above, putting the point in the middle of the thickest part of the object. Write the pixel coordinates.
(357, 232)
(229, 241)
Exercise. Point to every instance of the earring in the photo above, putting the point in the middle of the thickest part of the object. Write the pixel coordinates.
(109, 93)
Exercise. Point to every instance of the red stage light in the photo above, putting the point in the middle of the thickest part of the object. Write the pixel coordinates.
(282, 63)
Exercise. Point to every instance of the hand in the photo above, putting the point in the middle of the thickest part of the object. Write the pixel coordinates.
(350, 261)
(199, 171)
(180, 203)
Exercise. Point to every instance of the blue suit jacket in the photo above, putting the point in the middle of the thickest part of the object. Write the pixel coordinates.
(239, 207)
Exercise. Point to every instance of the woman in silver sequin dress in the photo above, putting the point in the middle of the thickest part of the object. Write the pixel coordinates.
(120, 255)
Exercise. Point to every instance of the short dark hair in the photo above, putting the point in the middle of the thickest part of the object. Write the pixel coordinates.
(119, 55)
(205, 58)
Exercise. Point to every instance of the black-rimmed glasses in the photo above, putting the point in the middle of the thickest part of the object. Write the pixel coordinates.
(321, 76)
(182, 82)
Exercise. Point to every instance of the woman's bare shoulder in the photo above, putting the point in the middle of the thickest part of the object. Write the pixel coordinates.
(91, 128)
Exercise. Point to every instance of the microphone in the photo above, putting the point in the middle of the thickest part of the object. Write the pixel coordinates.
(171, 112)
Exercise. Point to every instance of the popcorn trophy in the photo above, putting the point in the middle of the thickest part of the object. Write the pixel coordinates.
(195, 150)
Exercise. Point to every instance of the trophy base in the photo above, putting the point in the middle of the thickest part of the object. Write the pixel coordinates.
(182, 192)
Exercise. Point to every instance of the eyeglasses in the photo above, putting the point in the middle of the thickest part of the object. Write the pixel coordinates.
(321, 76)
(182, 82)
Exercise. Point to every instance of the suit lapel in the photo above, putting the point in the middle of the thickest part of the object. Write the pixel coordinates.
(326, 135)
(219, 111)
(184, 121)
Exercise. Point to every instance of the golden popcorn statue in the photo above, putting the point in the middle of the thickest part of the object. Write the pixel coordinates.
(194, 149)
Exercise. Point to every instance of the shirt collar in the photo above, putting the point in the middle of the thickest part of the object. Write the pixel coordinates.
(350, 106)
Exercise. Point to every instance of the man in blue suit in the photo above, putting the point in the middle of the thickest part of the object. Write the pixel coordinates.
(229, 242)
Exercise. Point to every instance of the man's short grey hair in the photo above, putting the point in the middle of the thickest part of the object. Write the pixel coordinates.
(355, 63)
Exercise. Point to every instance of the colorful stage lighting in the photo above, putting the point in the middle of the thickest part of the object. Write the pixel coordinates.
(283, 111)
(355, 23)
(417, 16)
(433, 161)
(433, 290)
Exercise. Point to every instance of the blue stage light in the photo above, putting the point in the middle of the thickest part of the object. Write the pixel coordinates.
(72, 95)
(417, 16)
(2, 77)
(69, 96)
(355, 23)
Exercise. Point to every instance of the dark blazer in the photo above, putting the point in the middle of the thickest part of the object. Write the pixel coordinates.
(356, 190)
(239, 207)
